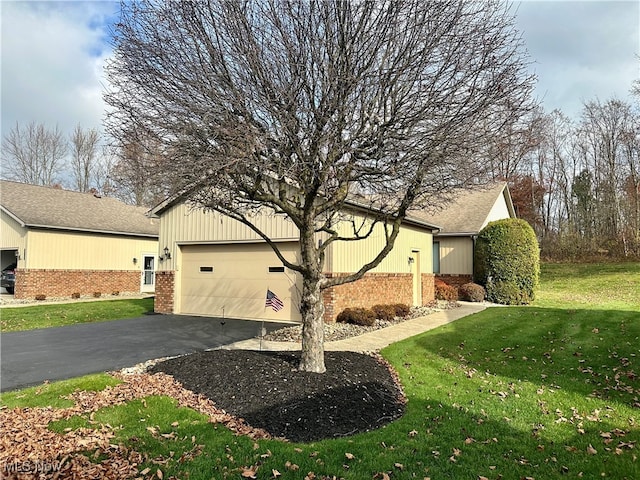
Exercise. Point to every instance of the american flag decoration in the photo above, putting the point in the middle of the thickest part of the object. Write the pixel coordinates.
(273, 301)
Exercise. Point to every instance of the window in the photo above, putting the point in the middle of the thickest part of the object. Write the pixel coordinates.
(436, 257)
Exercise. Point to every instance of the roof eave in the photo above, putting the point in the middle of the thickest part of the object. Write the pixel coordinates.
(14, 217)
(89, 230)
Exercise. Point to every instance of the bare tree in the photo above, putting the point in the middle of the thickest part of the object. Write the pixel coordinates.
(294, 107)
(137, 175)
(34, 154)
(84, 161)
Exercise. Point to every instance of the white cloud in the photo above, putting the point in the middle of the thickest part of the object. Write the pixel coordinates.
(582, 50)
(52, 57)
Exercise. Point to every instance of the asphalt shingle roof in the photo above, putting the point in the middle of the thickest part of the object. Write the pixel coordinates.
(468, 210)
(36, 206)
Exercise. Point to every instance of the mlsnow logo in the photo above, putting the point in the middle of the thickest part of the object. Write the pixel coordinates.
(32, 466)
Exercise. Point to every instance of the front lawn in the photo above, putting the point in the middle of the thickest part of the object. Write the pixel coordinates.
(13, 319)
(550, 391)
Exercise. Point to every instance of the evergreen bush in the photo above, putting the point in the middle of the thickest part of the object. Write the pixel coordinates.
(507, 261)
(444, 291)
(472, 292)
(358, 316)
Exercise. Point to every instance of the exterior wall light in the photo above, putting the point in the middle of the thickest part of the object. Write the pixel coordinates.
(167, 253)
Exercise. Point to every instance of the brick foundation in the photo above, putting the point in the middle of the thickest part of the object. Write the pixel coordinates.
(164, 302)
(373, 289)
(64, 283)
(456, 280)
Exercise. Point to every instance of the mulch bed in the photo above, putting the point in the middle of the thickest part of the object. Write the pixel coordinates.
(357, 393)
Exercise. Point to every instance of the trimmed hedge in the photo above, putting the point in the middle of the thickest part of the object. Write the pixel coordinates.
(507, 261)
(444, 291)
(358, 316)
(402, 309)
(472, 292)
(384, 312)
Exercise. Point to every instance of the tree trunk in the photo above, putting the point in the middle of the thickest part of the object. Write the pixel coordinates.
(312, 310)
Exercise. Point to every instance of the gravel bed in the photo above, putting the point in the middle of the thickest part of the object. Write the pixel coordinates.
(340, 331)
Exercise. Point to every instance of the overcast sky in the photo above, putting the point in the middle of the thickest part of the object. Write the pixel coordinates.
(53, 54)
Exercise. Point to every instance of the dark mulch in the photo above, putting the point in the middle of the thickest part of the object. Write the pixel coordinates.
(358, 393)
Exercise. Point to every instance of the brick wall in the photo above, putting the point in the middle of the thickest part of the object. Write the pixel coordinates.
(164, 291)
(372, 289)
(428, 288)
(454, 280)
(64, 283)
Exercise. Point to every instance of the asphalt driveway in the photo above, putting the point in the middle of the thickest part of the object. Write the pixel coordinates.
(31, 357)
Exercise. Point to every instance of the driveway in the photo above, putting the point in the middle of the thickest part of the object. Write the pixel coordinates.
(31, 357)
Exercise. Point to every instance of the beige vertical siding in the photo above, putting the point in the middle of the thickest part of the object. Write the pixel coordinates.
(182, 224)
(498, 211)
(347, 257)
(456, 255)
(50, 249)
(12, 237)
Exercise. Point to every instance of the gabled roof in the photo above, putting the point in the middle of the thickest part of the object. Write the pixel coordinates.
(46, 207)
(467, 212)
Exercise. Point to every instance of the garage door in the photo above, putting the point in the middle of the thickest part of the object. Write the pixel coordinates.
(233, 280)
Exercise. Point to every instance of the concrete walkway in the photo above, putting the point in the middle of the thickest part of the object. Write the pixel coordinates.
(372, 341)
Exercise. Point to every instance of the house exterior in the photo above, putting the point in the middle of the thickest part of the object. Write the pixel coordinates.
(460, 222)
(67, 243)
(217, 266)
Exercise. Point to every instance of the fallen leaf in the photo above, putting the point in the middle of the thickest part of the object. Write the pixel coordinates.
(591, 450)
(413, 433)
(159, 474)
(399, 466)
(275, 473)
(350, 456)
(249, 472)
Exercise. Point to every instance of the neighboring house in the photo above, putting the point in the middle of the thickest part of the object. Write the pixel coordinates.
(460, 222)
(66, 242)
(216, 266)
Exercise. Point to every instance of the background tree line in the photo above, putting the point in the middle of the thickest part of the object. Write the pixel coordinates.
(83, 161)
(577, 182)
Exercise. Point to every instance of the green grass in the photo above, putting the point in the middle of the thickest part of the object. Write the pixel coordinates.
(13, 319)
(53, 394)
(550, 391)
(601, 286)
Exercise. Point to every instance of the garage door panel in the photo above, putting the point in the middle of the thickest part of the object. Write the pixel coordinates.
(232, 280)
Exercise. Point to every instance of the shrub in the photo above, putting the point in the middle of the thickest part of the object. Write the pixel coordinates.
(472, 292)
(402, 309)
(507, 261)
(358, 316)
(97, 294)
(75, 295)
(40, 296)
(507, 293)
(116, 293)
(384, 312)
(444, 291)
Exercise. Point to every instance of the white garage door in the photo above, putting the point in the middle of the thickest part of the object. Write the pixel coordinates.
(232, 281)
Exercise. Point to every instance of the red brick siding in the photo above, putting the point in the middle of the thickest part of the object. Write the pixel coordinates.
(64, 283)
(428, 288)
(372, 289)
(456, 280)
(164, 302)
